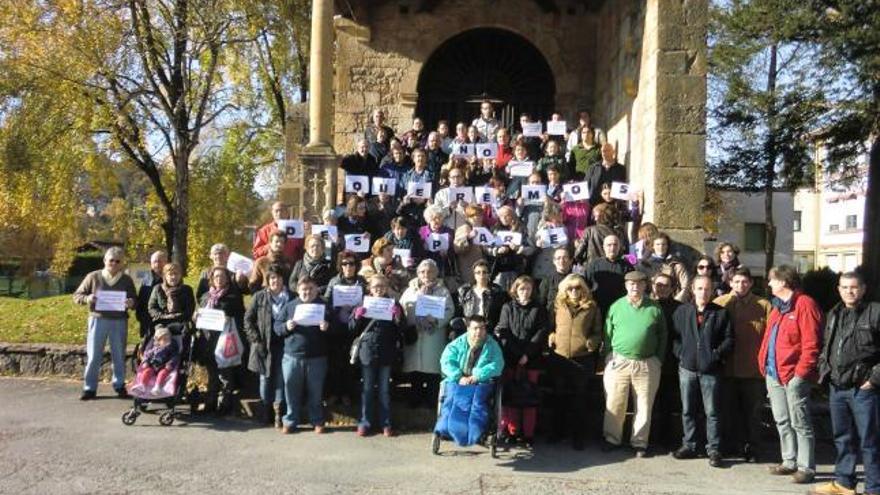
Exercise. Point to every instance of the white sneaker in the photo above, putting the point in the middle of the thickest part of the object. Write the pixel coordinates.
(156, 390)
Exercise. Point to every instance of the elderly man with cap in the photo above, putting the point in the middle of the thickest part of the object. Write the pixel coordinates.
(635, 340)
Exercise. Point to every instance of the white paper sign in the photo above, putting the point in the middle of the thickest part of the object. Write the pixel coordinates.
(110, 300)
(293, 228)
(533, 195)
(437, 243)
(383, 185)
(621, 190)
(238, 263)
(378, 308)
(419, 190)
(431, 306)
(487, 150)
(326, 231)
(482, 237)
(357, 184)
(309, 315)
(485, 195)
(405, 256)
(554, 237)
(575, 192)
(520, 169)
(358, 243)
(462, 150)
(508, 238)
(211, 319)
(556, 128)
(532, 129)
(463, 194)
(347, 295)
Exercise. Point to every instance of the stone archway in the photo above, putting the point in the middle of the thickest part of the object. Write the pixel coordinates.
(485, 63)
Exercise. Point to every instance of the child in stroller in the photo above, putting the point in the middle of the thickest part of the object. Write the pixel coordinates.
(161, 357)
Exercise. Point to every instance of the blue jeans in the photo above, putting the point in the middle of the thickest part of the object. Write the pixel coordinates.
(99, 330)
(376, 377)
(272, 386)
(855, 417)
(697, 387)
(302, 374)
(790, 404)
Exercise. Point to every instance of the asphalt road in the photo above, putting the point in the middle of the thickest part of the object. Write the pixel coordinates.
(52, 443)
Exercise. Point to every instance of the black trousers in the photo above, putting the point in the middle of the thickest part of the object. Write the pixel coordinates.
(571, 378)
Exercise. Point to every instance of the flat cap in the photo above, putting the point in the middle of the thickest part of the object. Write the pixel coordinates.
(636, 276)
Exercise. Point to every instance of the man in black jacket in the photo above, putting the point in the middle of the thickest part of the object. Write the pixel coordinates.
(665, 422)
(605, 172)
(605, 275)
(550, 286)
(850, 361)
(703, 336)
(154, 278)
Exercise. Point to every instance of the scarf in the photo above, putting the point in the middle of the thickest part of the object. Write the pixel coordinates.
(278, 303)
(172, 294)
(214, 296)
(111, 279)
(782, 306)
(473, 355)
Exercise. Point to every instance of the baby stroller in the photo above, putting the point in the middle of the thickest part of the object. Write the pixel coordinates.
(459, 418)
(171, 393)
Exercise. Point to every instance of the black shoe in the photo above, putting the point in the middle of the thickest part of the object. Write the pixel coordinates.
(87, 395)
(715, 459)
(748, 454)
(642, 452)
(684, 452)
(121, 393)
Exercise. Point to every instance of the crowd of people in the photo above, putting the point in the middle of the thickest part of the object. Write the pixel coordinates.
(455, 270)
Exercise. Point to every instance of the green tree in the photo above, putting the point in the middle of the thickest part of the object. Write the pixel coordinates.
(764, 100)
(849, 33)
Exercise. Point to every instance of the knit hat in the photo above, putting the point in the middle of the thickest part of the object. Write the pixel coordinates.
(162, 332)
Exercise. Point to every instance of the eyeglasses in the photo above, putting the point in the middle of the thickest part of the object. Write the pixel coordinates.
(347, 263)
(656, 284)
(703, 267)
(481, 272)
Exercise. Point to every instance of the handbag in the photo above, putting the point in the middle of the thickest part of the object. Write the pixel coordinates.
(354, 352)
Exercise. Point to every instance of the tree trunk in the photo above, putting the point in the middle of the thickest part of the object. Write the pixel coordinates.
(871, 239)
(181, 205)
(770, 170)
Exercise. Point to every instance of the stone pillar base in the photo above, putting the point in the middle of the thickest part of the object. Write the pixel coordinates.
(310, 187)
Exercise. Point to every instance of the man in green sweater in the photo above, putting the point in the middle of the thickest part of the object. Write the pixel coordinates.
(635, 339)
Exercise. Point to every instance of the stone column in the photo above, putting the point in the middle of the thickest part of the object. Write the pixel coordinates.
(321, 74)
(310, 183)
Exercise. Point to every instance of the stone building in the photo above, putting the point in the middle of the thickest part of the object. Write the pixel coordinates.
(639, 66)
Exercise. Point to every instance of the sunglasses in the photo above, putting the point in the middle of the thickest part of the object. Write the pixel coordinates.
(702, 267)
(347, 263)
(661, 285)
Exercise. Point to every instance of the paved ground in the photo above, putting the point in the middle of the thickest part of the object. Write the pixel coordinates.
(52, 443)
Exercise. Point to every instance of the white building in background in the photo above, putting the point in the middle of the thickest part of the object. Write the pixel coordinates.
(741, 220)
(829, 223)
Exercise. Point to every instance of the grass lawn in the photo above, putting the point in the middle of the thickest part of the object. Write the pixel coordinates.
(47, 320)
(55, 320)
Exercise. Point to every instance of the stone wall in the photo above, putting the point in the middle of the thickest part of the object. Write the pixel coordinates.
(379, 56)
(653, 94)
(51, 360)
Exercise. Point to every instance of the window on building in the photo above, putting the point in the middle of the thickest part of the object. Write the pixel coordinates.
(834, 228)
(832, 261)
(755, 236)
(851, 222)
(797, 220)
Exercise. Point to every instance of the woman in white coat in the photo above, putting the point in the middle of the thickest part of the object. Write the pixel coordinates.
(426, 336)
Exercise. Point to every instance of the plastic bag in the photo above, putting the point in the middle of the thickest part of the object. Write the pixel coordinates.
(230, 348)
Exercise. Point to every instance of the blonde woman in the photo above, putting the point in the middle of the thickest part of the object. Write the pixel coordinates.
(575, 343)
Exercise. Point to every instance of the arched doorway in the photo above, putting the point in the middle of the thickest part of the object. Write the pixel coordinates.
(485, 63)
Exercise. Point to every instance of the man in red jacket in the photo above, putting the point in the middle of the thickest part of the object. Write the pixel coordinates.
(293, 247)
(788, 360)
